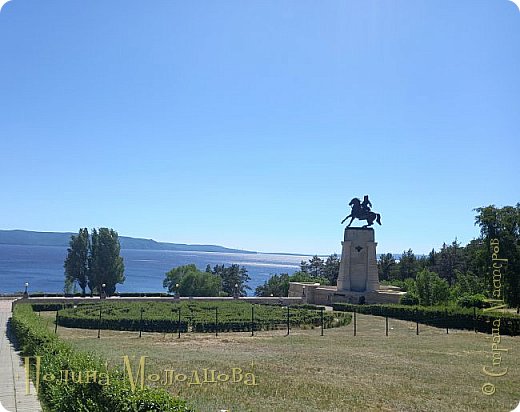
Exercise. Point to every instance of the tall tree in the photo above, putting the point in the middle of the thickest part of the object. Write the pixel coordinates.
(192, 282)
(502, 224)
(331, 268)
(304, 266)
(432, 261)
(385, 266)
(231, 276)
(276, 285)
(431, 289)
(316, 266)
(76, 262)
(451, 259)
(105, 264)
(407, 265)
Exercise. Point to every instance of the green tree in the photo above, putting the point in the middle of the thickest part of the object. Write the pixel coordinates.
(307, 277)
(466, 284)
(451, 259)
(174, 276)
(432, 260)
(475, 256)
(431, 289)
(331, 268)
(304, 266)
(276, 285)
(231, 276)
(385, 266)
(192, 282)
(76, 262)
(316, 266)
(105, 263)
(502, 224)
(407, 267)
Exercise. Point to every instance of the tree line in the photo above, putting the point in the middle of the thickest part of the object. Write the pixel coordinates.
(187, 280)
(315, 269)
(462, 274)
(94, 261)
(457, 273)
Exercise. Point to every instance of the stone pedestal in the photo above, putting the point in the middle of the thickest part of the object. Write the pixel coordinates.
(358, 268)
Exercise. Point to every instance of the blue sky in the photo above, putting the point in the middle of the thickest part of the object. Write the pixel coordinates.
(253, 124)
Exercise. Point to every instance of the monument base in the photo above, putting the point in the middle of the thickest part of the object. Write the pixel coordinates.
(358, 267)
(316, 294)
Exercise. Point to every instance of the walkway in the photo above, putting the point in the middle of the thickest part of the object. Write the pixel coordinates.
(13, 395)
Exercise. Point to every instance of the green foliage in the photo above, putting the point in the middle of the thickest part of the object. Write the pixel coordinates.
(60, 395)
(444, 316)
(331, 269)
(198, 316)
(192, 282)
(105, 264)
(469, 301)
(316, 266)
(409, 299)
(502, 224)
(407, 285)
(385, 266)
(278, 285)
(466, 284)
(449, 261)
(431, 289)
(234, 279)
(76, 262)
(407, 265)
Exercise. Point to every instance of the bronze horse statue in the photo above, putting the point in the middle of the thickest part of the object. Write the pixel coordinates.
(362, 211)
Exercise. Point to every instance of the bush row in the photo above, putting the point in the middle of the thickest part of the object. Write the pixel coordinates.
(442, 317)
(50, 307)
(67, 396)
(79, 295)
(198, 317)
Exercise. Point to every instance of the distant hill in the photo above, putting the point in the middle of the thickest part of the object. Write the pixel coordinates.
(26, 237)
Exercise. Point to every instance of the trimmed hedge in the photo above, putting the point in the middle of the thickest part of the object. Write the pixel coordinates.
(50, 307)
(457, 318)
(195, 316)
(79, 295)
(68, 396)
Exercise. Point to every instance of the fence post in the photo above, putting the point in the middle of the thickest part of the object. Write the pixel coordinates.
(355, 328)
(321, 309)
(416, 322)
(447, 331)
(56, 322)
(99, 324)
(179, 323)
(216, 320)
(252, 320)
(386, 325)
(288, 324)
(475, 319)
(141, 323)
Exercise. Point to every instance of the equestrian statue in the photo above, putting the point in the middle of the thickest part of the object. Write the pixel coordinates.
(361, 211)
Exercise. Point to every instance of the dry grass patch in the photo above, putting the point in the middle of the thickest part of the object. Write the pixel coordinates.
(336, 372)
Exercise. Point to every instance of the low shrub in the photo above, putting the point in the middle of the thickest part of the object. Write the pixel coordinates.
(451, 316)
(195, 316)
(409, 299)
(469, 301)
(61, 395)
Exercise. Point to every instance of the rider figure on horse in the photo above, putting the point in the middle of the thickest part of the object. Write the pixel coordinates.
(362, 211)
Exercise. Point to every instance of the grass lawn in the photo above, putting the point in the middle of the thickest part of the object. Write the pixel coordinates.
(336, 372)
